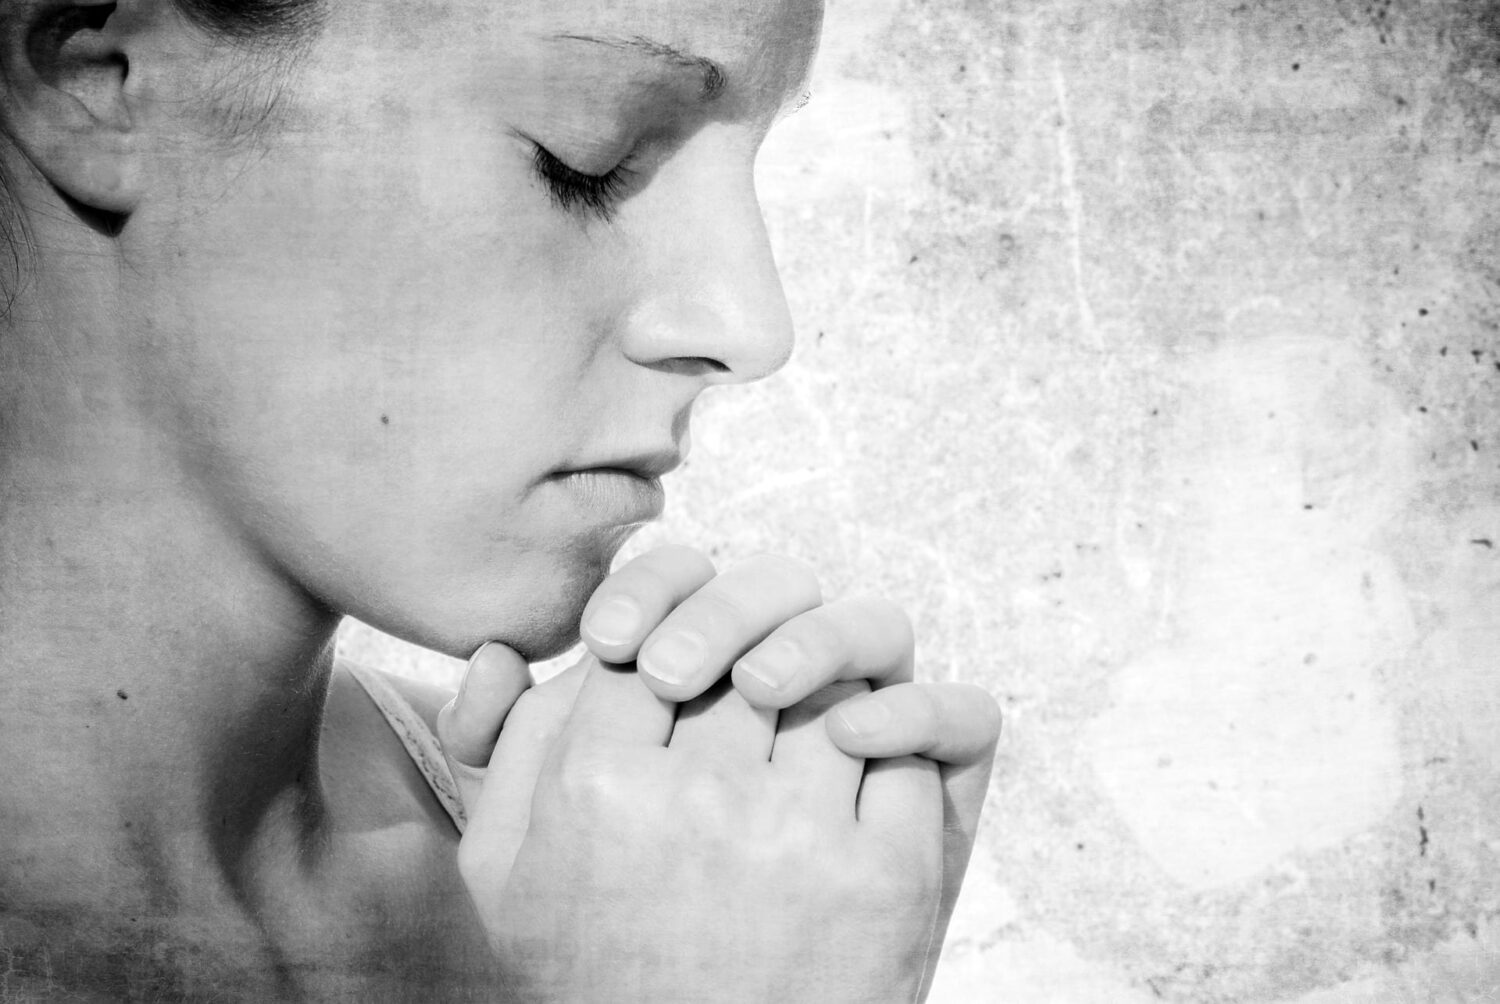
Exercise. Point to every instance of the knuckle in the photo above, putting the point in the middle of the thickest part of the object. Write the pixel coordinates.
(787, 827)
(707, 796)
(715, 612)
(897, 621)
(980, 710)
(894, 624)
(794, 830)
(661, 573)
(885, 611)
(647, 578)
(670, 562)
(821, 639)
(919, 707)
(582, 781)
(883, 632)
(791, 574)
(991, 719)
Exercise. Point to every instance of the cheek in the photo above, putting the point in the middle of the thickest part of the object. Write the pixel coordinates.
(424, 525)
(391, 349)
(421, 313)
(374, 419)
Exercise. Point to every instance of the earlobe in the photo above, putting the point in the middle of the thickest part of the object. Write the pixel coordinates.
(64, 68)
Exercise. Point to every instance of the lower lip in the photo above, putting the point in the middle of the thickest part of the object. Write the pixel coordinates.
(615, 496)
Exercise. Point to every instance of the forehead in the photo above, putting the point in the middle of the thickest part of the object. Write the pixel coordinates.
(756, 43)
(743, 48)
(741, 26)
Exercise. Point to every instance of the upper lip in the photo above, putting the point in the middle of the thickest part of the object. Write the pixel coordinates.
(652, 463)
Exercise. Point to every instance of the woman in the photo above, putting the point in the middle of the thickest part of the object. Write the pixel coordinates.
(400, 312)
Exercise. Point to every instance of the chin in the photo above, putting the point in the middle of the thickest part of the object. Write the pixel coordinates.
(535, 609)
(541, 640)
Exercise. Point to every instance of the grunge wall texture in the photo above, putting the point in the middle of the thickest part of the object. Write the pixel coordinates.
(1148, 353)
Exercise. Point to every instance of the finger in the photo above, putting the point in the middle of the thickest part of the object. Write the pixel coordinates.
(964, 790)
(697, 642)
(614, 707)
(636, 597)
(957, 724)
(822, 772)
(954, 723)
(901, 807)
(901, 800)
(501, 811)
(468, 725)
(861, 638)
(720, 723)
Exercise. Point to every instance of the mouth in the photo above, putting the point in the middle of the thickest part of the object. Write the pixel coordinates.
(620, 490)
(647, 464)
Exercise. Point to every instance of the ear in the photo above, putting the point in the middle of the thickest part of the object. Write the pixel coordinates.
(63, 67)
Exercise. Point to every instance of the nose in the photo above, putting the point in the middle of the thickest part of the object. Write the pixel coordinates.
(710, 300)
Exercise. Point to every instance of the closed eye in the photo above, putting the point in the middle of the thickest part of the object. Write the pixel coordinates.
(574, 191)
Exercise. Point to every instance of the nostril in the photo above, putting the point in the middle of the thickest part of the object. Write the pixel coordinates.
(686, 365)
(680, 333)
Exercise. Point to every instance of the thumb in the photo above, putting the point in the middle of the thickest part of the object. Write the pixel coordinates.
(500, 815)
(468, 725)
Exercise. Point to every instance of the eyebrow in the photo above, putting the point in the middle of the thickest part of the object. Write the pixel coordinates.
(714, 79)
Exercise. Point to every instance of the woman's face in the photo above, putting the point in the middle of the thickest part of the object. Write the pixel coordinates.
(429, 337)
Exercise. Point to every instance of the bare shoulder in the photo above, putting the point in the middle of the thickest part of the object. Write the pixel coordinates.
(425, 698)
(368, 775)
(389, 881)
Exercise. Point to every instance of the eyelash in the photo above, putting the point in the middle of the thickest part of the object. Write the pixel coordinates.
(575, 191)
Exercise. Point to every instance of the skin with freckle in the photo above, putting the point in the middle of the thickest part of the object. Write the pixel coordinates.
(494, 368)
(405, 319)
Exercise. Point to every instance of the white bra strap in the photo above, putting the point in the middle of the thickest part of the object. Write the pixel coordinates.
(421, 745)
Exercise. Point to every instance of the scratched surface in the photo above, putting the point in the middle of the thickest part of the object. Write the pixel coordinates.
(1147, 353)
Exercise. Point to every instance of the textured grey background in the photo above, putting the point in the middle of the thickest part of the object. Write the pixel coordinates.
(1148, 354)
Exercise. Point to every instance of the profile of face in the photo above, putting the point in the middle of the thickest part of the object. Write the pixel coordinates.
(426, 334)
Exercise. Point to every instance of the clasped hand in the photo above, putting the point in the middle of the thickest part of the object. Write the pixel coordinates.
(767, 810)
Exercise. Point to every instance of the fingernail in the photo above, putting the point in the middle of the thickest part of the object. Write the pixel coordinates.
(463, 681)
(774, 664)
(865, 716)
(615, 622)
(675, 658)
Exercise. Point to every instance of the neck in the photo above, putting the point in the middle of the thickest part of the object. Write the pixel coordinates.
(161, 683)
